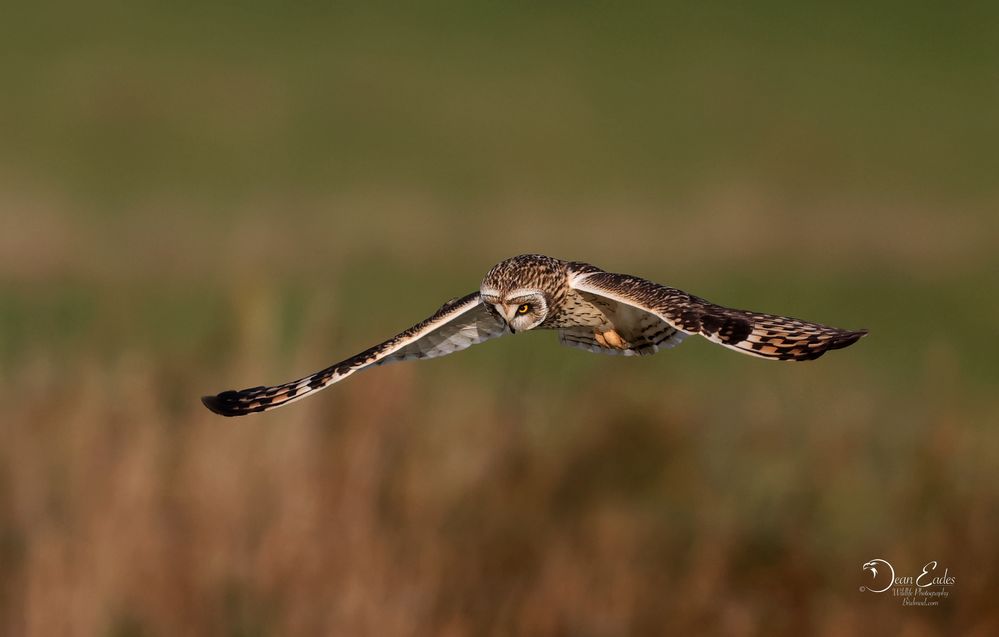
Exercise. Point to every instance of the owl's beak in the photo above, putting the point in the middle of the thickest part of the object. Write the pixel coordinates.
(507, 314)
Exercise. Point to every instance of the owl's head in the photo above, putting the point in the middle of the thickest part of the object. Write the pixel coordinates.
(522, 309)
(519, 289)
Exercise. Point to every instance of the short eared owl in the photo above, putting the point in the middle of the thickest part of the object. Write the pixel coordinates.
(591, 309)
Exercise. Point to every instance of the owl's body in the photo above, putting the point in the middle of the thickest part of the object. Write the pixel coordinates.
(589, 308)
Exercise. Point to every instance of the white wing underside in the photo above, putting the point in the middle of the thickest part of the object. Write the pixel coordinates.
(449, 338)
(457, 325)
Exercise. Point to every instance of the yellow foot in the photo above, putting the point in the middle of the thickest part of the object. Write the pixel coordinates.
(611, 339)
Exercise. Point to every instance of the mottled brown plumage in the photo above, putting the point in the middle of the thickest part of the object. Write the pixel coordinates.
(591, 309)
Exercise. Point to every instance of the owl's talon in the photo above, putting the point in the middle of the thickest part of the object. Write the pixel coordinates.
(613, 339)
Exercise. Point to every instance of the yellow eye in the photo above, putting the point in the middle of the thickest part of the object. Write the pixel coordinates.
(524, 309)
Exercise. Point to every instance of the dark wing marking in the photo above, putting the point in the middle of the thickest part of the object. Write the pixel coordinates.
(457, 325)
(764, 335)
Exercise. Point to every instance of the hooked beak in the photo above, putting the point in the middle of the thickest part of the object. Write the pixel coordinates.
(507, 315)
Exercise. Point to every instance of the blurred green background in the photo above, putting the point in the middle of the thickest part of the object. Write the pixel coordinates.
(197, 197)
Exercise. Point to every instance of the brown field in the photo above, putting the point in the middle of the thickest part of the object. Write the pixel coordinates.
(192, 201)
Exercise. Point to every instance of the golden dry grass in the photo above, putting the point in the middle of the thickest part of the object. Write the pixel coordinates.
(514, 489)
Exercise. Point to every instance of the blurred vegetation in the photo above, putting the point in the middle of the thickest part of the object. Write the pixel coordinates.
(195, 197)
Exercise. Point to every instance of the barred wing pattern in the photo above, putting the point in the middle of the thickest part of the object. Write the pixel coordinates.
(764, 335)
(649, 334)
(457, 325)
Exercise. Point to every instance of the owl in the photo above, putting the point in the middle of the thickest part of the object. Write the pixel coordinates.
(589, 308)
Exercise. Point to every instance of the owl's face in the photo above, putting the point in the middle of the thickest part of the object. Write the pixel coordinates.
(522, 309)
(519, 290)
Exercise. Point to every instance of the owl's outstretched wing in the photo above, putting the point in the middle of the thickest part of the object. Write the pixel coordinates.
(763, 335)
(457, 325)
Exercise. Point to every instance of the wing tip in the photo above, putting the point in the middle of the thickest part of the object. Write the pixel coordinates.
(847, 339)
(222, 404)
